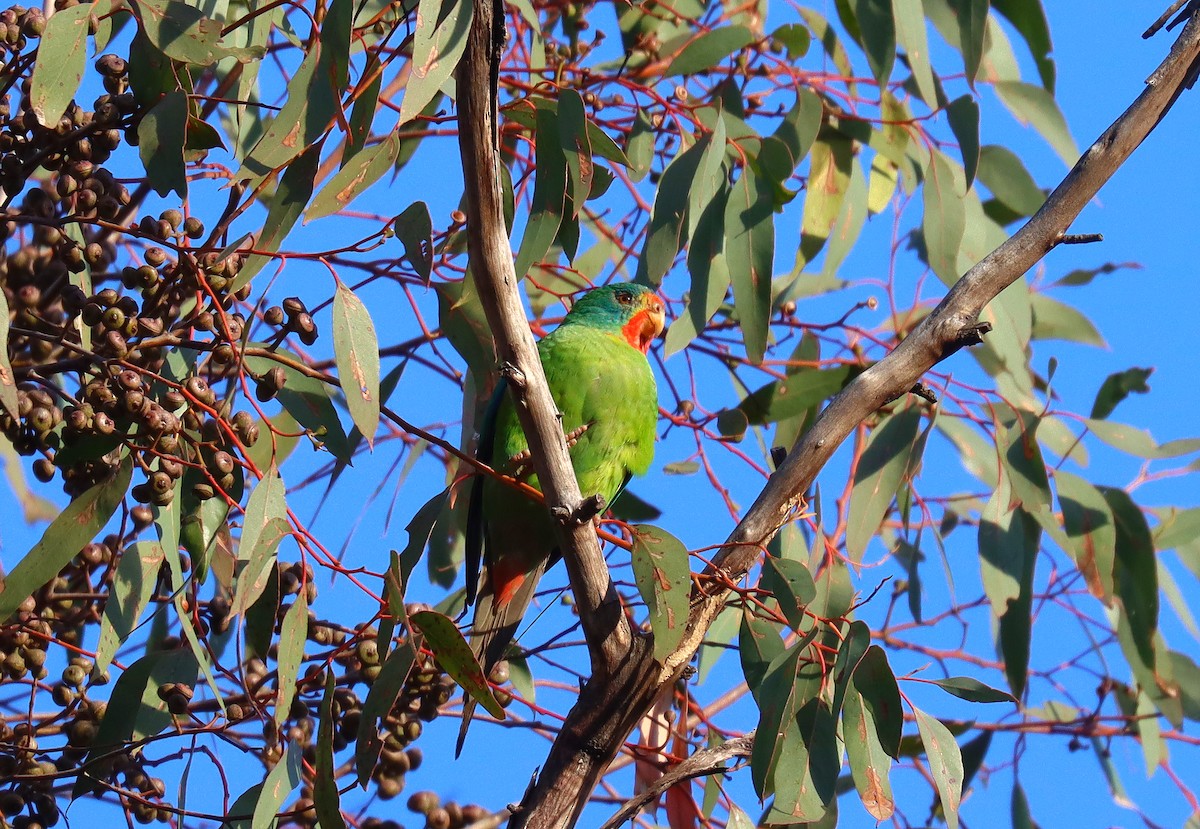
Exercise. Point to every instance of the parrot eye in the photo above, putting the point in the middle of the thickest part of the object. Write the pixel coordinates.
(624, 297)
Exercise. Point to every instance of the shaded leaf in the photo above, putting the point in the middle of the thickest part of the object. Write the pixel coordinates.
(792, 585)
(878, 27)
(973, 690)
(576, 148)
(782, 399)
(879, 474)
(874, 681)
(379, 702)
(9, 399)
(832, 157)
(288, 203)
(869, 763)
(663, 577)
(1029, 18)
(664, 234)
(1054, 320)
(307, 399)
(414, 228)
(74, 527)
(181, 31)
(759, 644)
(1090, 532)
(1135, 575)
(1116, 387)
(1004, 174)
(972, 27)
(794, 38)
(963, 114)
(549, 192)
(133, 584)
(326, 798)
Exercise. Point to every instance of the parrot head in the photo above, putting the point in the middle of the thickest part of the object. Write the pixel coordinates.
(633, 310)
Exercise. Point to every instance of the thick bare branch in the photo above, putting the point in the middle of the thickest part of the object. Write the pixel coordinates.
(491, 261)
(600, 721)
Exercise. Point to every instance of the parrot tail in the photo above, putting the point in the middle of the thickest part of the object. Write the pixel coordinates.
(496, 620)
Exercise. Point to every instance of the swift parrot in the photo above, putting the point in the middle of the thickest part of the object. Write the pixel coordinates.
(601, 382)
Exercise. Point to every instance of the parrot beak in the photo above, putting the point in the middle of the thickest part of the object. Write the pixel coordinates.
(657, 314)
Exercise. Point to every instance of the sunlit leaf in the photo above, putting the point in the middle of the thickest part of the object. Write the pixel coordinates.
(710, 48)
(438, 44)
(455, 656)
(945, 763)
(878, 476)
(945, 217)
(663, 576)
(1031, 104)
(58, 69)
(379, 702)
(356, 350)
(352, 179)
(750, 255)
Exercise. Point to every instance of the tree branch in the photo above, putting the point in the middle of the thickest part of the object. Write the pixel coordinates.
(491, 261)
(608, 709)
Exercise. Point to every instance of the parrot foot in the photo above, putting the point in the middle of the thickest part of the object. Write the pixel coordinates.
(520, 462)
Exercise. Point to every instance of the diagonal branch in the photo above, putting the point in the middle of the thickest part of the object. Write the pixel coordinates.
(610, 706)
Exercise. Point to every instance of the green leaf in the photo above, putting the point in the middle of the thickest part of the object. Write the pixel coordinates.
(849, 222)
(264, 526)
(710, 48)
(879, 475)
(309, 107)
(783, 150)
(134, 709)
(792, 585)
(639, 147)
(732, 424)
(874, 681)
(795, 39)
(58, 69)
(832, 157)
(326, 798)
(759, 644)
(1135, 576)
(973, 690)
(663, 577)
(750, 255)
(181, 31)
(1022, 457)
(870, 765)
(160, 144)
(664, 235)
(1031, 104)
(910, 32)
(1116, 387)
(1138, 442)
(362, 115)
(281, 782)
(133, 584)
(945, 763)
(945, 217)
(878, 27)
(782, 399)
(438, 44)
(576, 148)
(414, 228)
(378, 703)
(355, 177)
(549, 192)
(963, 114)
(307, 399)
(1029, 19)
(75, 526)
(1003, 549)
(1054, 320)
(972, 28)
(286, 206)
(293, 633)
(8, 381)
(356, 351)
(455, 656)
(1091, 534)
(1004, 174)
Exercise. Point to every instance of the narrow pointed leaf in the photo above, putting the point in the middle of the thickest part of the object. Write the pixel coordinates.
(326, 798)
(710, 48)
(75, 526)
(750, 255)
(878, 476)
(663, 576)
(973, 690)
(349, 182)
(438, 44)
(455, 656)
(878, 26)
(356, 349)
(58, 69)
(378, 703)
(945, 763)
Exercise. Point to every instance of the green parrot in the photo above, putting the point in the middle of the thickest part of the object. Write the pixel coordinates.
(596, 367)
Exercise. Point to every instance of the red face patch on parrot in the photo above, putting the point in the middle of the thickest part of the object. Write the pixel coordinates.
(645, 325)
